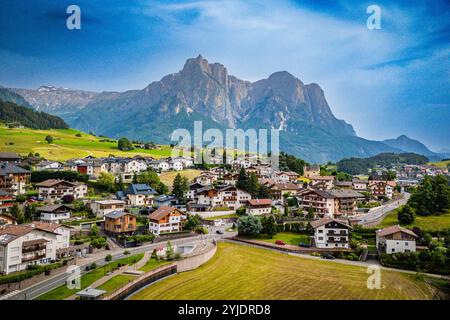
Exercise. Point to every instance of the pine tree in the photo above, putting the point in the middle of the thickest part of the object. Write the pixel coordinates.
(180, 187)
(406, 215)
(242, 182)
(17, 212)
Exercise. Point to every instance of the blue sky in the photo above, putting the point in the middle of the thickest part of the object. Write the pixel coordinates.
(384, 82)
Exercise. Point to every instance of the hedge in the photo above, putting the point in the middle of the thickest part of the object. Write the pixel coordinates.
(26, 274)
(39, 176)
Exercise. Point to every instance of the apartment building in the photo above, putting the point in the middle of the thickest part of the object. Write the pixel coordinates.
(102, 207)
(165, 220)
(140, 195)
(228, 196)
(6, 201)
(24, 245)
(13, 179)
(330, 233)
(330, 203)
(258, 207)
(395, 239)
(120, 222)
(55, 213)
(54, 190)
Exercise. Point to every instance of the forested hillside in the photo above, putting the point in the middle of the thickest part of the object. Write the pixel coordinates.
(12, 113)
(362, 165)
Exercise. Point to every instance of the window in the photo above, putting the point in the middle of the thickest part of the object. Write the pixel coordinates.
(320, 238)
(320, 231)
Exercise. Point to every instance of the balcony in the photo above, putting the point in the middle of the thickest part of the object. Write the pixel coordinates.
(38, 256)
(335, 234)
(337, 241)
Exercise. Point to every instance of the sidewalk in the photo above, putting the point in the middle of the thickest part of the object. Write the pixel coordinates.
(119, 271)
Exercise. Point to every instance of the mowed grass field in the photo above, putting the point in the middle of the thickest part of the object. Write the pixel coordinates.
(242, 272)
(440, 164)
(429, 223)
(167, 177)
(287, 237)
(66, 144)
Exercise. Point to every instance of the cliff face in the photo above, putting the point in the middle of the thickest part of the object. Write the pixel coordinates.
(205, 91)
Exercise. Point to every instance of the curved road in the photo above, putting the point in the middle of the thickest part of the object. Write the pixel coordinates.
(376, 215)
(49, 284)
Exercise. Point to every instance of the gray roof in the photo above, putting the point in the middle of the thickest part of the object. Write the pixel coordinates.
(331, 194)
(53, 208)
(345, 194)
(164, 198)
(90, 293)
(117, 214)
(318, 223)
(9, 155)
(140, 189)
(7, 168)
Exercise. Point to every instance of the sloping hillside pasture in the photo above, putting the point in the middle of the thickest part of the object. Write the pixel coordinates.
(242, 272)
(66, 144)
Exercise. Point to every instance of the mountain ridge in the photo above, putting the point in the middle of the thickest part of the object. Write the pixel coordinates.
(206, 91)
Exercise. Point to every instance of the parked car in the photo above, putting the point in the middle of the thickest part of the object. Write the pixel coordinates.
(303, 245)
(328, 256)
(219, 231)
(279, 242)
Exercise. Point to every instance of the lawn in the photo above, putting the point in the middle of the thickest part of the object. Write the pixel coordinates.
(152, 263)
(66, 145)
(62, 292)
(287, 237)
(116, 283)
(440, 164)
(225, 216)
(242, 272)
(167, 177)
(429, 223)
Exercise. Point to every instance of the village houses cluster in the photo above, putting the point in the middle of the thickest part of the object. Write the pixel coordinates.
(331, 203)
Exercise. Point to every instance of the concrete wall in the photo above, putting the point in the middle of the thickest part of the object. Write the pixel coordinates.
(186, 264)
(195, 261)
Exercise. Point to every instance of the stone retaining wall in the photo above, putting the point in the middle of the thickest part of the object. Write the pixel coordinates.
(189, 263)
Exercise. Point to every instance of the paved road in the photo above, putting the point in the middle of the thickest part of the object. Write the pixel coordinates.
(376, 215)
(49, 284)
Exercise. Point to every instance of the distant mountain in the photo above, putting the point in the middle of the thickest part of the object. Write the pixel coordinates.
(204, 91)
(9, 95)
(410, 145)
(55, 100)
(13, 113)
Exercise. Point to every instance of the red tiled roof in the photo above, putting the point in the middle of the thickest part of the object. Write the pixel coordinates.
(161, 212)
(260, 202)
(395, 229)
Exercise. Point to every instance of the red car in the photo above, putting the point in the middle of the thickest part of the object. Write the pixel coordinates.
(279, 242)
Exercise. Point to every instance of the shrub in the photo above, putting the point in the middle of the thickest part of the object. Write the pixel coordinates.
(31, 272)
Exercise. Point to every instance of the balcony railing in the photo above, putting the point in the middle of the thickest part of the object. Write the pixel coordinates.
(34, 248)
(340, 234)
(33, 257)
(337, 241)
